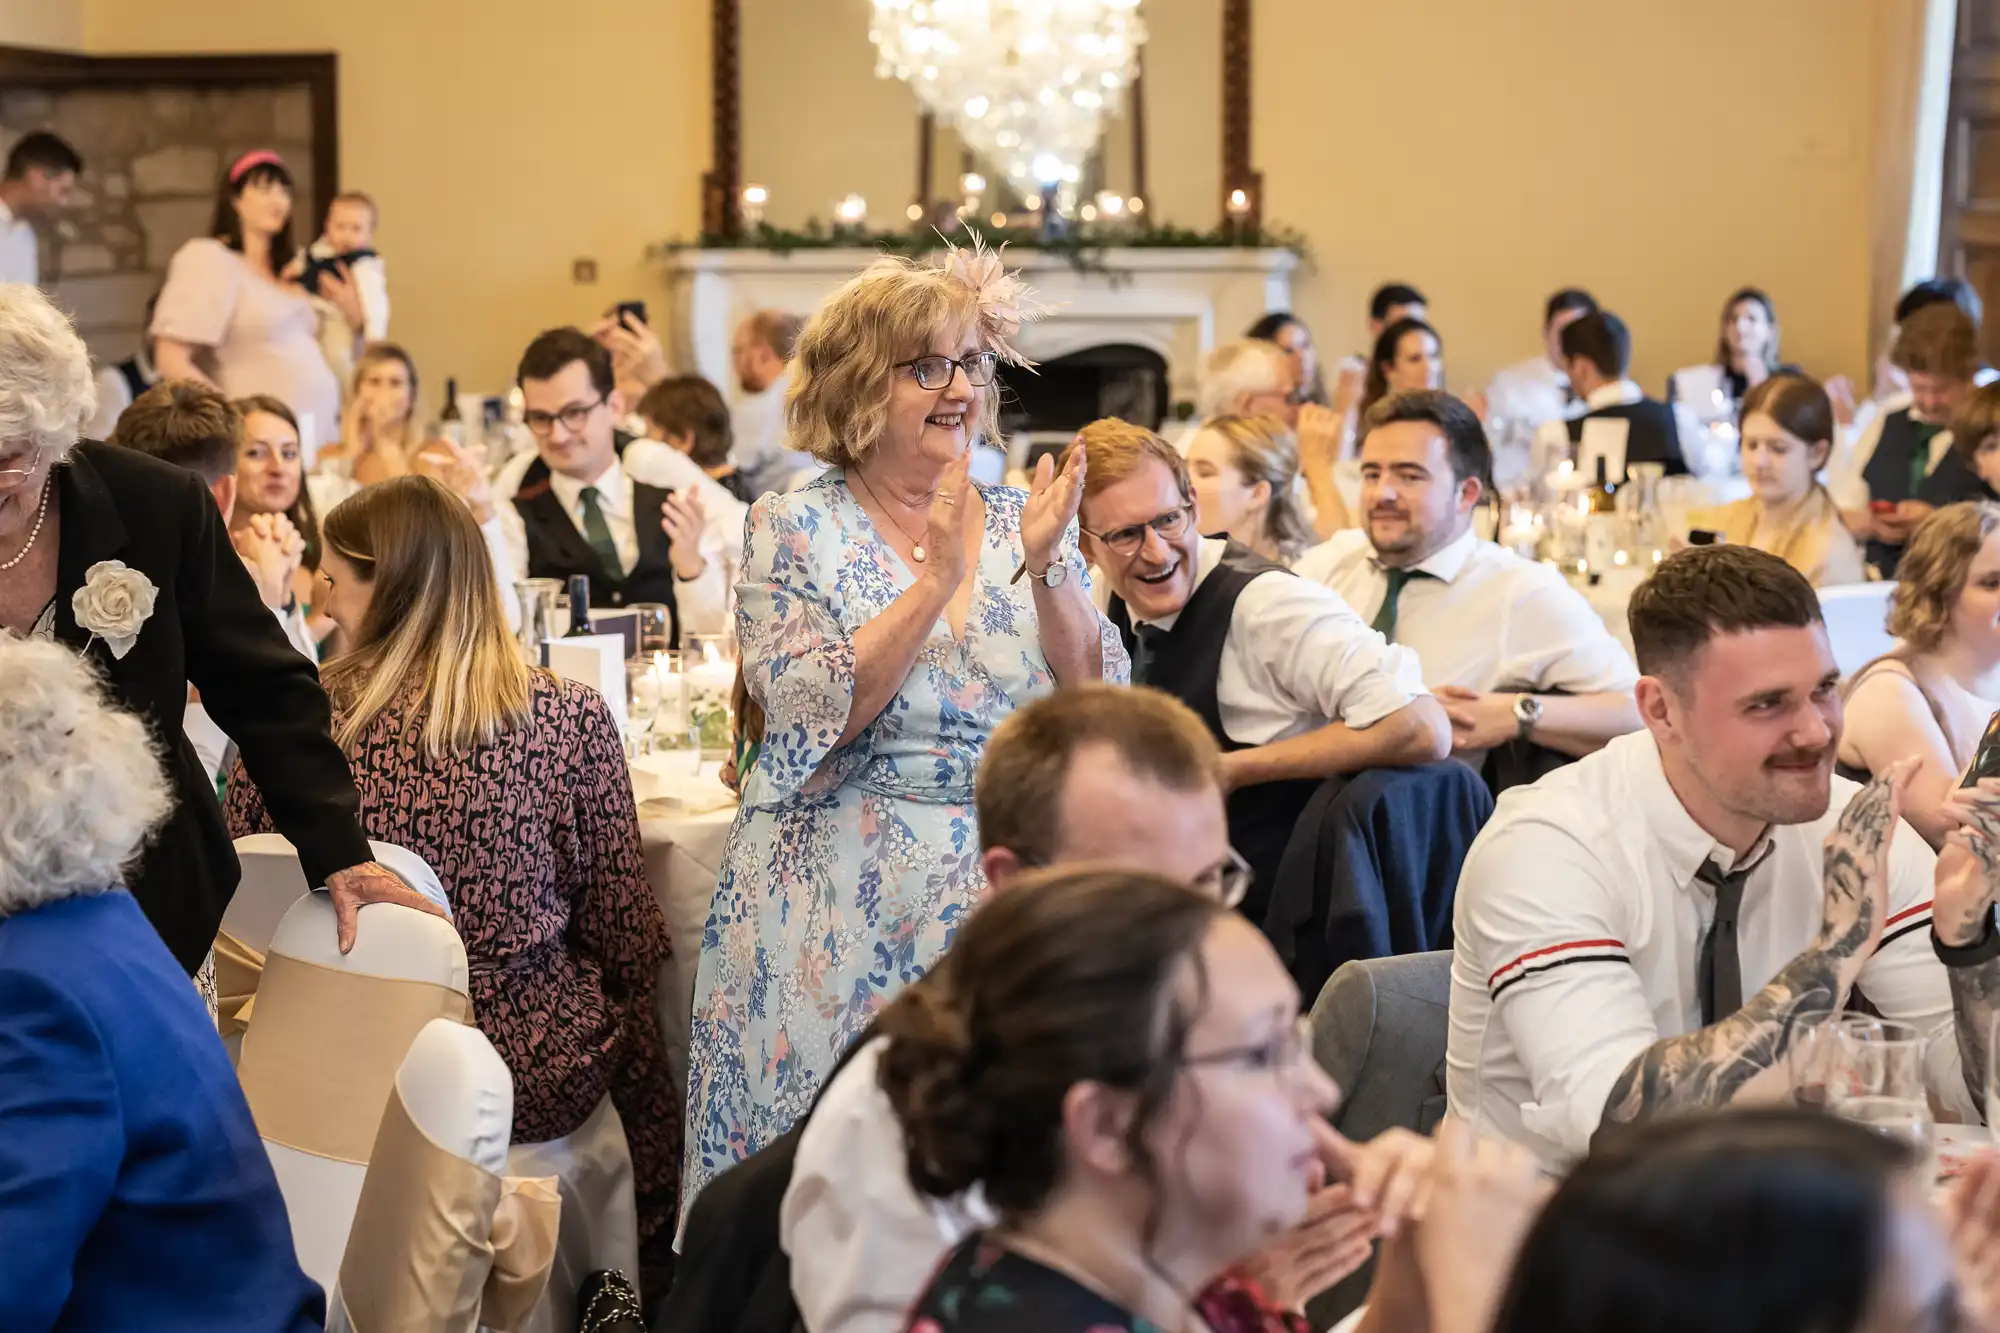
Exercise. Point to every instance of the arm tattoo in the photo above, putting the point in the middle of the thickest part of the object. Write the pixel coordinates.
(1975, 1002)
(1708, 1067)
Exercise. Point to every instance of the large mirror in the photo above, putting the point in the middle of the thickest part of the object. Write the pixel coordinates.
(819, 126)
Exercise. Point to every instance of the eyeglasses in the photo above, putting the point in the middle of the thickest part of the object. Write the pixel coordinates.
(1228, 879)
(572, 418)
(1171, 526)
(34, 461)
(934, 372)
(1283, 1053)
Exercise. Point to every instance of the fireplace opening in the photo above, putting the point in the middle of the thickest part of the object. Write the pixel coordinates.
(1066, 393)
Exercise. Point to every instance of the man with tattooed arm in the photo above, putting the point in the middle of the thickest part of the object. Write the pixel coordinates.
(1638, 933)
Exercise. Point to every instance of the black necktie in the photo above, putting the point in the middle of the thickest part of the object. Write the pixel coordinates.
(1719, 974)
(1147, 640)
(1384, 623)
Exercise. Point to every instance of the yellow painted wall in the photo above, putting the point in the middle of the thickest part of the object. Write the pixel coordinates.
(53, 23)
(502, 139)
(1659, 153)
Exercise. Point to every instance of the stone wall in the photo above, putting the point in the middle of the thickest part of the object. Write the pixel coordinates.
(152, 158)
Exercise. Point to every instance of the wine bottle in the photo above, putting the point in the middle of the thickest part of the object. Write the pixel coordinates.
(451, 422)
(1600, 525)
(1986, 759)
(579, 606)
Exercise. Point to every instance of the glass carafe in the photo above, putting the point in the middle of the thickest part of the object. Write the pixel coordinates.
(541, 600)
(1641, 530)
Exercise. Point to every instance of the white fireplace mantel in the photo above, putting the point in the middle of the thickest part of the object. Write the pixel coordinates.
(1177, 302)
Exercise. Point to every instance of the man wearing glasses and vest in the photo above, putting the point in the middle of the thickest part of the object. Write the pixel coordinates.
(1294, 686)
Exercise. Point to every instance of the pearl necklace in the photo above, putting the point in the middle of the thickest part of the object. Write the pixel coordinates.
(41, 512)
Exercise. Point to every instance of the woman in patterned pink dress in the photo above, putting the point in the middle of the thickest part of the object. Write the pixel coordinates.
(512, 785)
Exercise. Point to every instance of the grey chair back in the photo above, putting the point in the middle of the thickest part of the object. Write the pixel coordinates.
(1379, 1029)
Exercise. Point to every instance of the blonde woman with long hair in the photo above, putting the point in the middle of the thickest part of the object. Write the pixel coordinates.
(1246, 472)
(512, 785)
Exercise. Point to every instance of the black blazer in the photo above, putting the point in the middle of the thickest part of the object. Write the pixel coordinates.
(556, 550)
(208, 628)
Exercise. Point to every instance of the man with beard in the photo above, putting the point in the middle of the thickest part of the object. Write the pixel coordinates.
(1291, 683)
(1512, 650)
(1646, 931)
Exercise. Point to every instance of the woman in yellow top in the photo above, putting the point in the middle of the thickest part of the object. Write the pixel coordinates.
(1787, 432)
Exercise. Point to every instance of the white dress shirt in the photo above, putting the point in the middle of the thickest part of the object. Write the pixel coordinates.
(1531, 391)
(1486, 620)
(863, 1243)
(761, 448)
(19, 261)
(1578, 931)
(703, 603)
(1297, 658)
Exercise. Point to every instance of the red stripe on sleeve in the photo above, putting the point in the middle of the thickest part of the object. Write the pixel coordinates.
(1557, 948)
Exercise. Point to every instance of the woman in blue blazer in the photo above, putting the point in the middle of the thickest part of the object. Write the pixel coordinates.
(134, 1191)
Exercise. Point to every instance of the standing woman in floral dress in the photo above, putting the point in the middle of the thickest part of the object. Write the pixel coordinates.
(890, 614)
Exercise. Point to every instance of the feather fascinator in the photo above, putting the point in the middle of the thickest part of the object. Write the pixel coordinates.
(1005, 302)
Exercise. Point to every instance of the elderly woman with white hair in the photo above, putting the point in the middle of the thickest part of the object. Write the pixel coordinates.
(890, 614)
(127, 560)
(1251, 377)
(134, 1191)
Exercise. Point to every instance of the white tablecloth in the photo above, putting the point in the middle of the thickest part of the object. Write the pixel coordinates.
(684, 821)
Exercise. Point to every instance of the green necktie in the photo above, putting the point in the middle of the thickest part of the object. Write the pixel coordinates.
(1384, 623)
(598, 533)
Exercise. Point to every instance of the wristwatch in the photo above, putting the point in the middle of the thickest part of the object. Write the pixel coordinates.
(1527, 714)
(1052, 577)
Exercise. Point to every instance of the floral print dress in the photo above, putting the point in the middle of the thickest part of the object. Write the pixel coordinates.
(848, 868)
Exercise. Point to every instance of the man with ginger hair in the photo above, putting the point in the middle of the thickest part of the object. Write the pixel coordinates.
(1292, 684)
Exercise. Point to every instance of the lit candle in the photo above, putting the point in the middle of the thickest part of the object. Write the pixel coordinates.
(754, 199)
(1239, 204)
(853, 210)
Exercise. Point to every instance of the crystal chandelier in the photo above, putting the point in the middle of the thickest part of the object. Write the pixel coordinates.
(1026, 83)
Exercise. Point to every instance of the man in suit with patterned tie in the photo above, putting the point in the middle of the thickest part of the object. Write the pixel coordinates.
(585, 504)
(1293, 685)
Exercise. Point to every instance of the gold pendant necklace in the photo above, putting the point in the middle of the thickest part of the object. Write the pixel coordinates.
(916, 543)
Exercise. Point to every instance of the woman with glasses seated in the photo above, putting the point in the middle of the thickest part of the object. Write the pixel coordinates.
(890, 615)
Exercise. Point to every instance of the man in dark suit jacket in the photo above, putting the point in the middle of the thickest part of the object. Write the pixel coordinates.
(1597, 351)
(101, 507)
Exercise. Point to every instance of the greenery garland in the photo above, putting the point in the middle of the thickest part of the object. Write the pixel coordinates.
(1082, 247)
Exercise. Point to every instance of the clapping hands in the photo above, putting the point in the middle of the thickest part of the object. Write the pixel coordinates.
(271, 549)
(462, 471)
(684, 519)
(1053, 501)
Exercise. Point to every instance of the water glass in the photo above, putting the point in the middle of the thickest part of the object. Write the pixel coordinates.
(642, 705)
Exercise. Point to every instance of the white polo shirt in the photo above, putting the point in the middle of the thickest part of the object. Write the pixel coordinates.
(1485, 620)
(19, 261)
(1578, 931)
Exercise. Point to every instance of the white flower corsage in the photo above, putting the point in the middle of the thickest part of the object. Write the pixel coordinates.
(114, 601)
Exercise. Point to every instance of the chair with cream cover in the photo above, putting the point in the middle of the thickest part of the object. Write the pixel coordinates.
(441, 1241)
(600, 1210)
(272, 881)
(321, 1055)
(1857, 616)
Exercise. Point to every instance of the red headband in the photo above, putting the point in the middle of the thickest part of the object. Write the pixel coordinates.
(260, 157)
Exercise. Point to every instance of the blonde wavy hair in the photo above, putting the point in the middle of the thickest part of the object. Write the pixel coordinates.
(46, 390)
(1933, 570)
(434, 640)
(1263, 449)
(844, 373)
(80, 784)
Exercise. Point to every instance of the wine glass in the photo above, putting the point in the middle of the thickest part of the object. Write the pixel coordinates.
(1877, 1058)
(1905, 1118)
(1814, 1056)
(656, 628)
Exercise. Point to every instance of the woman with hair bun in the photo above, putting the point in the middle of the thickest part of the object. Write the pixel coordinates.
(1119, 1062)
